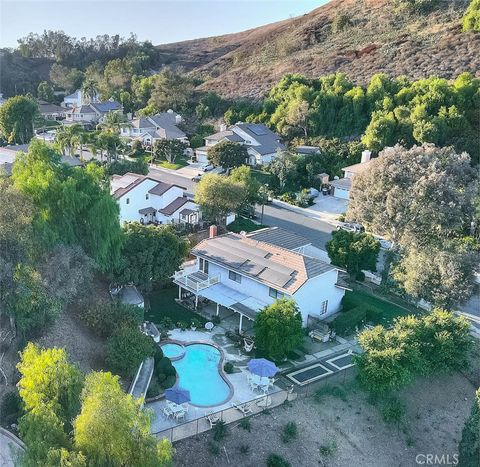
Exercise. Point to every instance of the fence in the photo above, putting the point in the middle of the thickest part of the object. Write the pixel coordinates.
(286, 391)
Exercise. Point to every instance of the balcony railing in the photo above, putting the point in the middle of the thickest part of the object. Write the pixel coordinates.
(194, 279)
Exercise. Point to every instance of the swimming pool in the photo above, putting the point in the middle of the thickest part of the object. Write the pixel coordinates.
(198, 372)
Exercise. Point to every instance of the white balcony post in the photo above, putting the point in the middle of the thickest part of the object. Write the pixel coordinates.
(240, 324)
(196, 302)
(179, 293)
(218, 308)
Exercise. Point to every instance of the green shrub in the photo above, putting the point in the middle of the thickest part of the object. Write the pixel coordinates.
(154, 389)
(167, 323)
(228, 367)
(329, 390)
(328, 449)
(213, 448)
(289, 432)
(346, 322)
(360, 276)
(220, 431)
(106, 317)
(393, 411)
(164, 372)
(244, 448)
(469, 448)
(274, 460)
(126, 349)
(11, 408)
(374, 315)
(245, 424)
(471, 19)
(121, 167)
(340, 23)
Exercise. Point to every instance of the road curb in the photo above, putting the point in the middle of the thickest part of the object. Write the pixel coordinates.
(306, 212)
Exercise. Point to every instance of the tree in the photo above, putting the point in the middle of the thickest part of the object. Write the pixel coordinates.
(421, 195)
(442, 277)
(126, 349)
(227, 155)
(169, 149)
(171, 90)
(66, 78)
(45, 92)
(283, 168)
(353, 251)
(150, 255)
(16, 119)
(109, 142)
(219, 196)
(48, 379)
(113, 122)
(116, 437)
(469, 448)
(471, 19)
(278, 329)
(68, 137)
(243, 174)
(297, 115)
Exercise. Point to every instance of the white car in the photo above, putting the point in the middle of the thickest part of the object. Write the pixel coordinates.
(207, 168)
(351, 227)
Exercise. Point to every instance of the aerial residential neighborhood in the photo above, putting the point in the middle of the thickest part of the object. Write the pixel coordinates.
(240, 233)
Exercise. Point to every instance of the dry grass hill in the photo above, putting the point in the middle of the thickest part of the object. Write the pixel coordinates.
(358, 37)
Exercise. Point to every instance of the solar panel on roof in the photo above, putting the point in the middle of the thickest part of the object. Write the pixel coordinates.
(275, 277)
(259, 130)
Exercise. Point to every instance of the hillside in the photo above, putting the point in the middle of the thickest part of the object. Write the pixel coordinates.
(376, 38)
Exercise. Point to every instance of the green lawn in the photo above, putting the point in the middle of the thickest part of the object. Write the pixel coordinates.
(163, 305)
(262, 177)
(388, 310)
(241, 223)
(179, 163)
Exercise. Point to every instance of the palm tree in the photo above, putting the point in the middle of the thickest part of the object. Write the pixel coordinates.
(67, 136)
(113, 121)
(89, 90)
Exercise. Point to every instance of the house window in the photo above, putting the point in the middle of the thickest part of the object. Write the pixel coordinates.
(233, 276)
(127, 201)
(274, 293)
(324, 307)
(204, 265)
(146, 196)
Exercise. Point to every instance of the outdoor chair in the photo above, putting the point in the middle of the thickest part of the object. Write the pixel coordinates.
(248, 345)
(246, 409)
(212, 418)
(180, 415)
(167, 412)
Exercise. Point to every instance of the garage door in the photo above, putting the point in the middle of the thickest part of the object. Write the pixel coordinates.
(341, 193)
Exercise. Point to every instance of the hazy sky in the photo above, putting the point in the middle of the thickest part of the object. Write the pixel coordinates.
(159, 21)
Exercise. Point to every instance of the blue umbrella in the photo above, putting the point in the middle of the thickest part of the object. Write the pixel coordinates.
(262, 367)
(177, 395)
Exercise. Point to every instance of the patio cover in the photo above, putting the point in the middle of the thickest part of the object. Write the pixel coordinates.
(230, 298)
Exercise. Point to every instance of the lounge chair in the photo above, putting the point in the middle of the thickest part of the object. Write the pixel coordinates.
(212, 418)
(248, 345)
(245, 408)
(167, 412)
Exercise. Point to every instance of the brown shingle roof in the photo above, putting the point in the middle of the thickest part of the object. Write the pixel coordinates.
(357, 168)
(277, 267)
(175, 205)
(135, 179)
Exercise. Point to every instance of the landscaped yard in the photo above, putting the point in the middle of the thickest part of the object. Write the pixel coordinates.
(243, 224)
(163, 305)
(179, 163)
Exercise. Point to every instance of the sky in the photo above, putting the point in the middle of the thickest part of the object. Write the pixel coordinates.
(160, 21)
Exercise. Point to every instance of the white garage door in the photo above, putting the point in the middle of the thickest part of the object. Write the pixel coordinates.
(341, 193)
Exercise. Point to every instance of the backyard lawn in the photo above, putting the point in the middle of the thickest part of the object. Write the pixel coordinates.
(242, 223)
(163, 305)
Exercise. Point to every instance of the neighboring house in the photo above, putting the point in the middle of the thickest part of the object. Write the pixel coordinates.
(342, 186)
(261, 142)
(245, 274)
(8, 155)
(159, 126)
(128, 295)
(147, 200)
(78, 99)
(92, 113)
(51, 111)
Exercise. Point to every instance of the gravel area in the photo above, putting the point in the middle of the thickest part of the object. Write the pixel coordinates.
(353, 430)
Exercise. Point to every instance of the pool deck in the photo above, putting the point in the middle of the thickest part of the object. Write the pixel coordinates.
(238, 380)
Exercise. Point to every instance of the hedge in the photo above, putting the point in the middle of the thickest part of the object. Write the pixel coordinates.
(347, 321)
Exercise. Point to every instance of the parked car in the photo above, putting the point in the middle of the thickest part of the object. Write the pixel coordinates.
(351, 227)
(197, 178)
(207, 168)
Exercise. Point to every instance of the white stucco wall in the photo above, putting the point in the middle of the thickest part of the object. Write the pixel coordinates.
(136, 196)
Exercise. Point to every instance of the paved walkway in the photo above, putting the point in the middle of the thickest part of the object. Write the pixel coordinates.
(10, 448)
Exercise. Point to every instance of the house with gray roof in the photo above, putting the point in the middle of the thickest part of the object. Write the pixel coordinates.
(246, 272)
(92, 113)
(149, 200)
(261, 142)
(163, 125)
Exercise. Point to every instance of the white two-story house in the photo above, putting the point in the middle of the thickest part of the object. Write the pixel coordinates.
(92, 113)
(244, 274)
(159, 126)
(261, 142)
(147, 200)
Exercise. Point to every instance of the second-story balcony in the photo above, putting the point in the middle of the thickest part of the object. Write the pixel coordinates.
(192, 278)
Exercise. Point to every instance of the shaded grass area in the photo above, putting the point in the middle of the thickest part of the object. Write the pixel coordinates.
(384, 312)
(163, 305)
(247, 225)
(179, 163)
(263, 177)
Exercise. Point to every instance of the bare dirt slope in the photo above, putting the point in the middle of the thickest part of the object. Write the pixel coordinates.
(377, 38)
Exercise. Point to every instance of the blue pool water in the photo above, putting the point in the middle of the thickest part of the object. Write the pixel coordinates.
(173, 350)
(198, 373)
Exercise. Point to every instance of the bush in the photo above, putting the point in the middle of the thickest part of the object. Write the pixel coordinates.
(11, 408)
(126, 349)
(469, 448)
(245, 424)
(121, 167)
(154, 389)
(106, 317)
(164, 372)
(213, 448)
(393, 411)
(346, 322)
(471, 19)
(374, 315)
(220, 431)
(244, 448)
(360, 276)
(228, 367)
(341, 22)
(274, 460)
(328, 449)
(290, 432)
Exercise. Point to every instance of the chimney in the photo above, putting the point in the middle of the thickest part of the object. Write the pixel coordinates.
(212, 231)
(223, 127)
(178, 119)
(169, 111)
(366, 156)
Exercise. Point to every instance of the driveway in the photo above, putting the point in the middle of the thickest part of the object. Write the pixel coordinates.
(329, 206)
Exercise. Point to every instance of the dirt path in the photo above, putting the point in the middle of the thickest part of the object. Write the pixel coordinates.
(353, 430)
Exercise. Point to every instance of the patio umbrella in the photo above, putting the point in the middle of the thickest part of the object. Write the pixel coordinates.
(177, 395)
(262, 367)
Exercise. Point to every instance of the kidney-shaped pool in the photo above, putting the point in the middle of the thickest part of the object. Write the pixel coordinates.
(198, 372)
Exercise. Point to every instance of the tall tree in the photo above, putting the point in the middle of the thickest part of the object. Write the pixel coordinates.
(45, 92)
(244, 175)
(169, 149)
(16, 119)
(227, 155)
(219, 196)
(116, 437)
